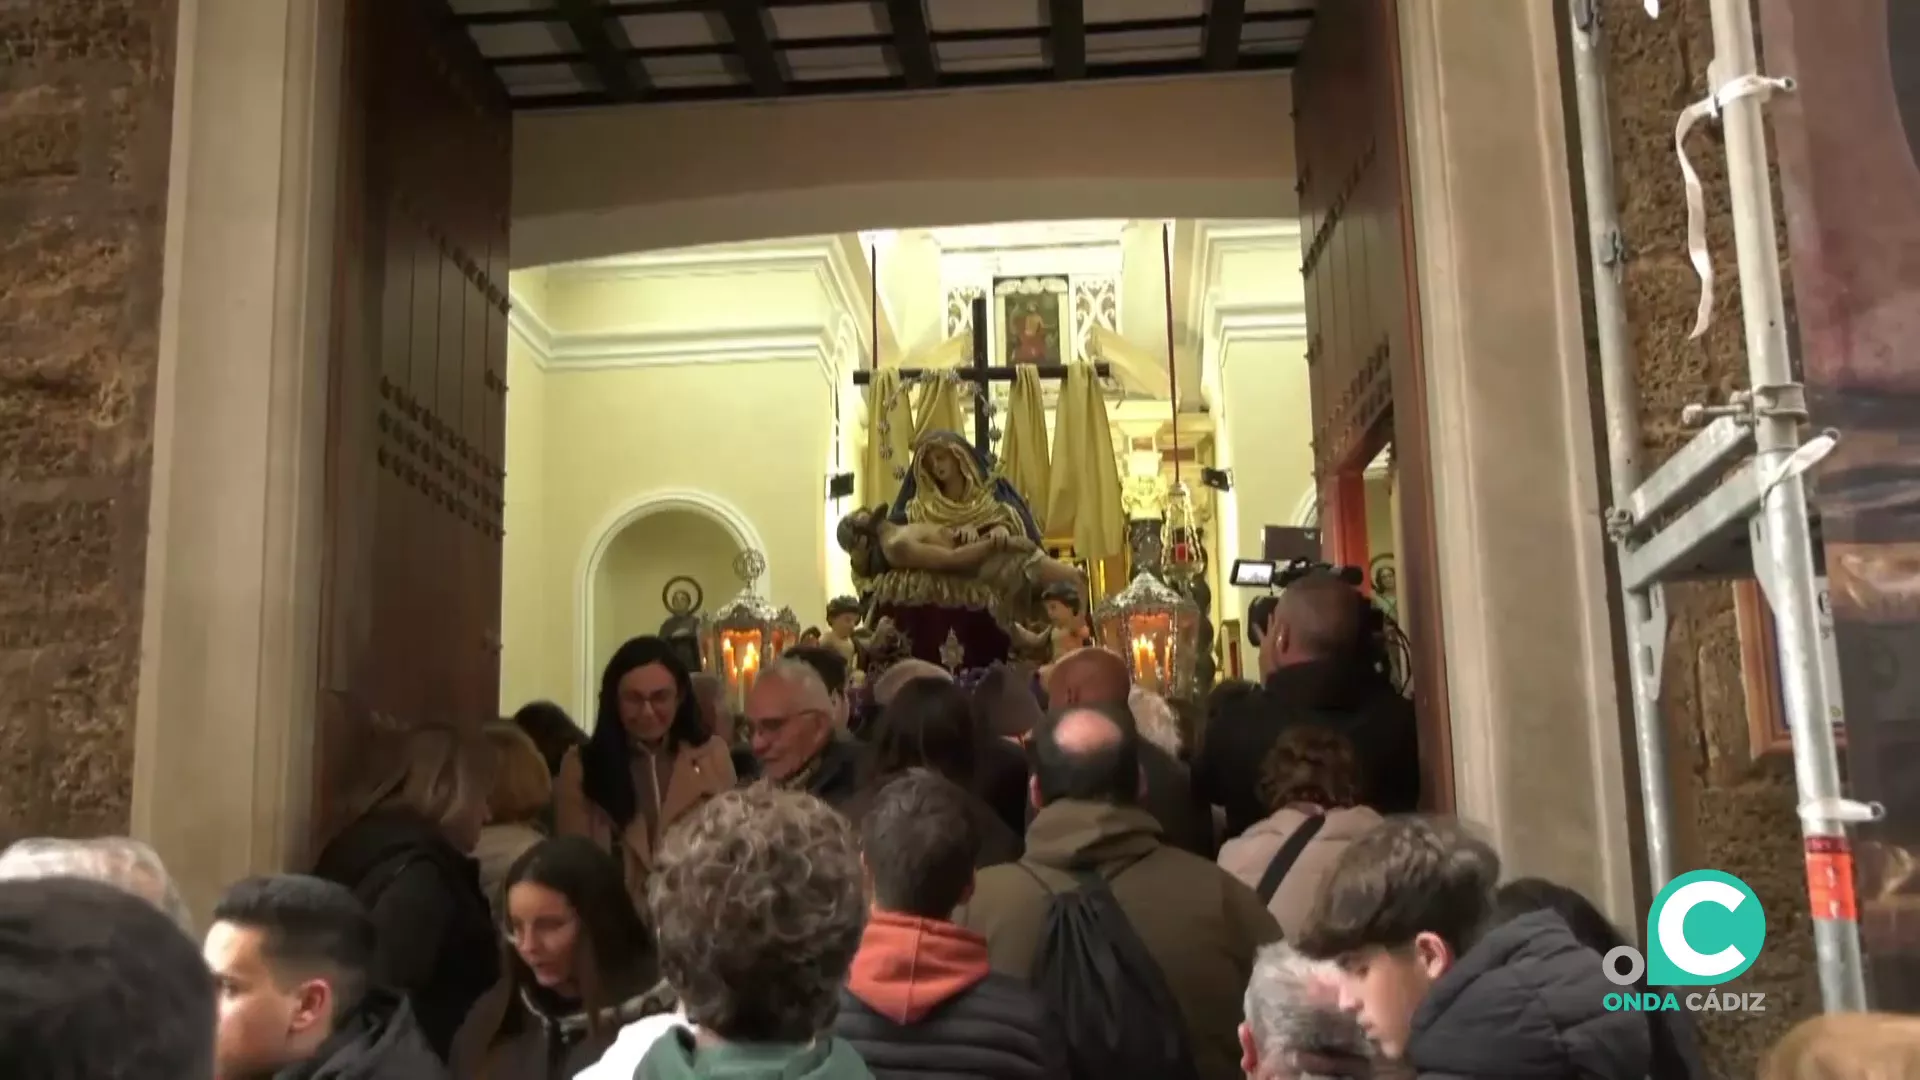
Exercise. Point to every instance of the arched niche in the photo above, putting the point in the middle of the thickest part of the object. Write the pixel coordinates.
(643, 544)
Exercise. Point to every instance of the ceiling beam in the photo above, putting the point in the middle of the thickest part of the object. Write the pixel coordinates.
(913, 40)
(1224, 20)
(754, 46)
(605, 42)
(1067, 20)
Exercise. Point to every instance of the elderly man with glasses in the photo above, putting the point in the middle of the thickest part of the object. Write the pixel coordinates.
(790, 721)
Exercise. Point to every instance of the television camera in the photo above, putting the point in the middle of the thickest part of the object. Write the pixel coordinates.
(1382, 643)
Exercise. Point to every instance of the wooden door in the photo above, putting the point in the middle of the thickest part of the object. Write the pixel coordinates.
(411, 600)
(1363, 327)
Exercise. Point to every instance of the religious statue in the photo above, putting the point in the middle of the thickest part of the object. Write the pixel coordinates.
(1066, 629)
(957, 554)
(682, 597)
(843, 618)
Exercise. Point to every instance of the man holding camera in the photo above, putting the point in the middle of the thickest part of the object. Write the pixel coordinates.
(1316, 666)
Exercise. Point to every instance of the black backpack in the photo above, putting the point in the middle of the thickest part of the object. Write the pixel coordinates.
(1116, 1014)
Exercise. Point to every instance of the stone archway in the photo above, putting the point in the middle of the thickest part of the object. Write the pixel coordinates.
(642, 506)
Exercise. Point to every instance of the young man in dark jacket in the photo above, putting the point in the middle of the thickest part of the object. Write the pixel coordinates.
(293, 957)
(1437, 981)
(920, 1000)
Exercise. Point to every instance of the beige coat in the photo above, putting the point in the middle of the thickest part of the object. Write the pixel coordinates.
(1248, 856)
(699, 773)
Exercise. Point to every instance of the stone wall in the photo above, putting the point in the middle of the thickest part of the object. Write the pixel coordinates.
(86, 96)
(1732, 813)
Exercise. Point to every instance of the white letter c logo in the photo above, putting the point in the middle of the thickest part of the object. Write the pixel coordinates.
(1673, 932)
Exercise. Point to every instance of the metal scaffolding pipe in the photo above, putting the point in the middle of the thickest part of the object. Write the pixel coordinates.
(1784, 561)
(1619, 394)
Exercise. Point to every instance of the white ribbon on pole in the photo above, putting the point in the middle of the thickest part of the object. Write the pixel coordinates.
(1709, 106)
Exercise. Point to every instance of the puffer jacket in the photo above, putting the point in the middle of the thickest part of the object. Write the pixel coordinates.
(1526, 1003)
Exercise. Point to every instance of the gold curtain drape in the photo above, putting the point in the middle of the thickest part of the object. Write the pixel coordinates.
(1023, 447)
(889, 428)
(937, 407)
(1083, 498)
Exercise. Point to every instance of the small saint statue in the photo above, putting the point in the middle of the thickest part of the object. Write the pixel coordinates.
(843, 618)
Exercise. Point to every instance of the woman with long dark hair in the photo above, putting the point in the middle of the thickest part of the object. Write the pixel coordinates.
(649, 762)
(579, 965)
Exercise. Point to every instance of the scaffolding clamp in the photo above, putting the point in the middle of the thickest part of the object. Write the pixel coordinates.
(1783, 401)
(1841, 810)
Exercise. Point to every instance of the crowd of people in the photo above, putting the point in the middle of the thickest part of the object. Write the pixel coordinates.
(1075, 880)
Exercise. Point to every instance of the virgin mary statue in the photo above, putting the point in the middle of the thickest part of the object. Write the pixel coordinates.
(958, 554)
(950, 485)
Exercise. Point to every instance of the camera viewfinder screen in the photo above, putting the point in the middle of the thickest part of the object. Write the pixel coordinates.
(1252, 573)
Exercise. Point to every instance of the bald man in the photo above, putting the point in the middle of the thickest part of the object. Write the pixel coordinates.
(1089, 676)
(1314, 671)
(1096, 676)
(1200, 926)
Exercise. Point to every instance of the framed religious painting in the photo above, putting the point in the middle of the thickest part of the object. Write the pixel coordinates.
(1033, 319)
(1767, 731)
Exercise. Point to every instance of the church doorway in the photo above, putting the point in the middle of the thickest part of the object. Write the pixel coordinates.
(638, 354)
(417, 197)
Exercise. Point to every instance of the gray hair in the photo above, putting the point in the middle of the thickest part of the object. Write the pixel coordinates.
(1155, 719)
(799, 675)
(124, 863)
(1288, 1015)
(758, 904)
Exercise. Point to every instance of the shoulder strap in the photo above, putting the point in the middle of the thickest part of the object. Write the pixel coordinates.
(1288, 854)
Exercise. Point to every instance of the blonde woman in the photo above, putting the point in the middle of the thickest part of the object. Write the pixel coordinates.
(407, 855)
(516, 807)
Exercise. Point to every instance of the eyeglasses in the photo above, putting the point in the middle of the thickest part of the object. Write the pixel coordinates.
(770, 726)
(660, 701)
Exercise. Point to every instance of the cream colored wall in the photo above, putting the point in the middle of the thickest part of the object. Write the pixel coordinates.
(684, 382)
(524, 673)
(910, 283)
(590, 183)
(1269, 429)
(643, 558)
(1253, 371)
(752, 436)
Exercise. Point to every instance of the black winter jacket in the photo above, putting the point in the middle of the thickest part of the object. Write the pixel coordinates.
(438, 943)
(1526, 1003)
(1378, 721)
(379, 1040)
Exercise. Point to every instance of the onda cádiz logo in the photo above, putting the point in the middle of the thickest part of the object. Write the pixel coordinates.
(1705, 928)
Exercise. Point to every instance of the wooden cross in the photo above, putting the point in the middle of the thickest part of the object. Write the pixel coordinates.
(980, 373)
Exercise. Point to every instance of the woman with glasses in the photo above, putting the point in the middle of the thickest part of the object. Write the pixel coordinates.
(649, 762)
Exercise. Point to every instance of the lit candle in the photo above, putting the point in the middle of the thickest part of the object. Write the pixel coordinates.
(749, 666)
(1146, 664)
